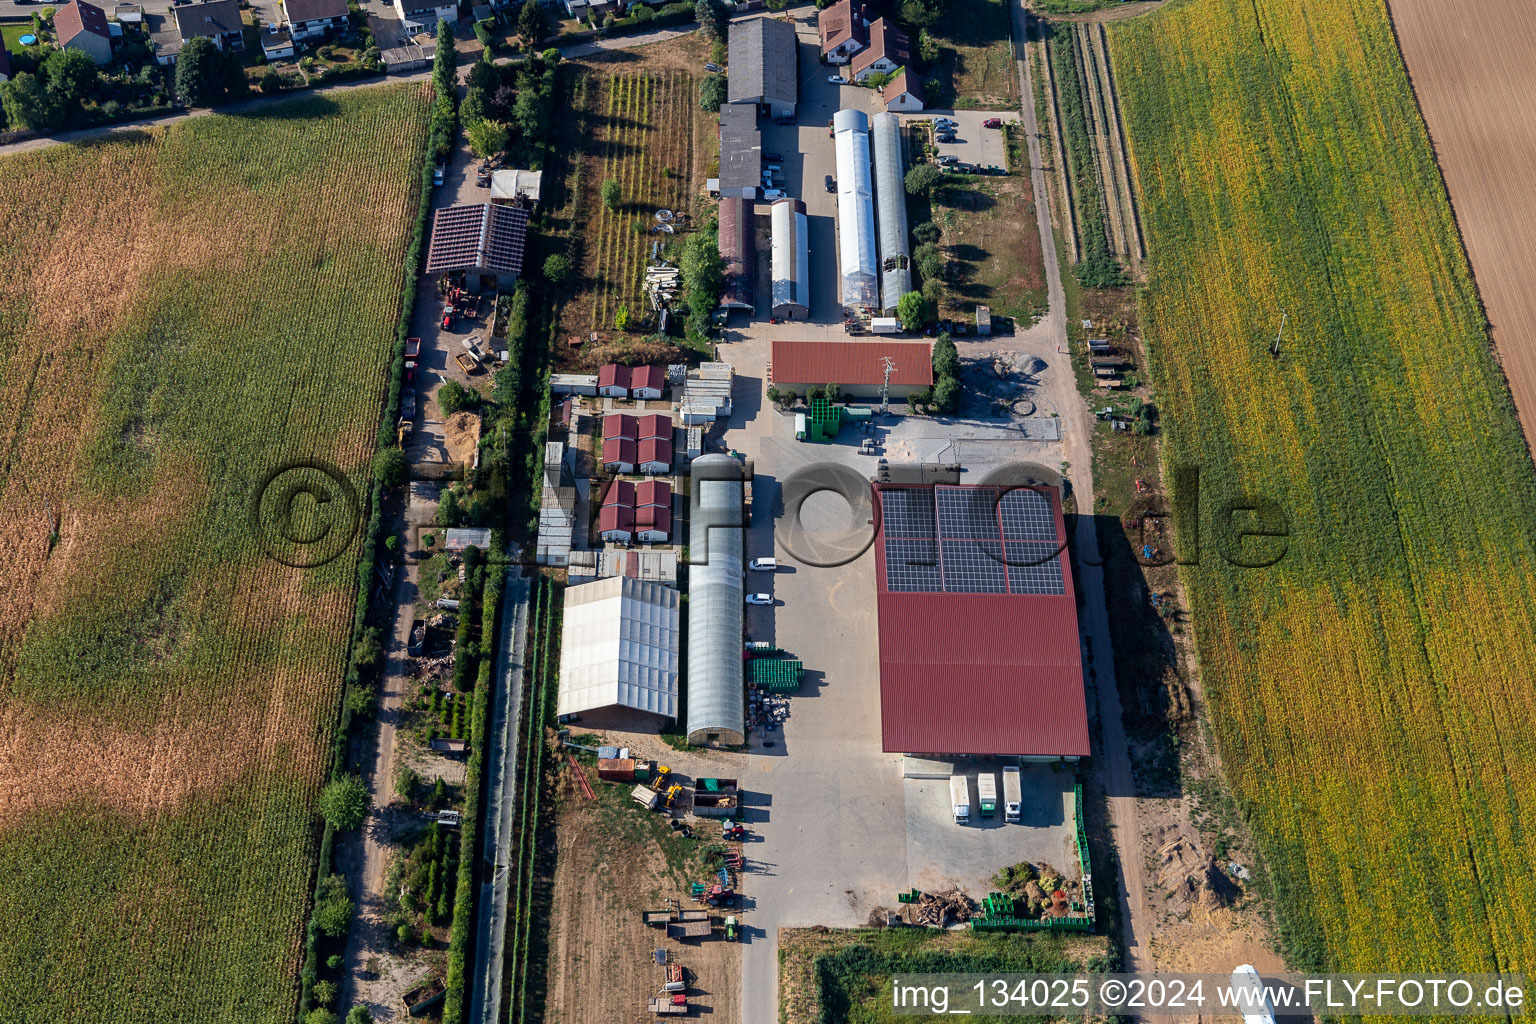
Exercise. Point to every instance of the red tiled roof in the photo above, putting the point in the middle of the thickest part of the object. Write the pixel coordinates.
(900, 84)
(885, 40)
(655, 449)
(981, 674)
(652, 518)
(852, 362)
(655, 425)
(616, 517)
(618, 452)
(613, 375)
(648, 377)
(620, 424)
(653, 492)
(74, 18)
(839, 23)
(620, 492)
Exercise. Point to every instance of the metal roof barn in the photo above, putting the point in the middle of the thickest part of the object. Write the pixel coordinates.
(482, 239)
(891, 207)
(619, 647)
(738, 248)
(855, 211)
(716, 711)
(791, 259)
(979, 648)
(763, 65)
(741, 152)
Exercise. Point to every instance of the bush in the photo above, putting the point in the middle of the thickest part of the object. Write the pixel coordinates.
(913, 310)
(343, 802)
(321, 1015)
(325, 992)
(359, 1015)
(926, 232)
(612, 194)
(712, 92)
(922, 179)
(368, 651)
(333, 910)
(454, 397)
(557, 267)
(390, 467)
(928, 260)
(335, 961)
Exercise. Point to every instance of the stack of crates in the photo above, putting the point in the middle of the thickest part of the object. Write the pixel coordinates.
(777, 675)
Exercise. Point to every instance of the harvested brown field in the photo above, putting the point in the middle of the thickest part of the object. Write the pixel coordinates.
(188, 315)
(1474, 73)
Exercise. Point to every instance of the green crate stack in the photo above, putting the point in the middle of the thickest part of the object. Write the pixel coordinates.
(775, 674)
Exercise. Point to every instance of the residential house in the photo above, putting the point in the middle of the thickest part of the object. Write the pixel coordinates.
(419, 16)
(616, 517)
(764, 71)
(620, 455)
(844, 31)
(647, 382)
(888, 50)
(82, 26)
(640, 512)
(620, 426)
(218, 20)
(903, 94)
(312, 19)
(654, 455)
(613, 380)
(640, 444)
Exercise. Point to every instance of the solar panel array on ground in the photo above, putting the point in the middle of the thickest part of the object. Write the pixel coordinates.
(970, 540)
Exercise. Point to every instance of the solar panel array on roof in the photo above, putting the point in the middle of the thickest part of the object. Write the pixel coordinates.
(970, 540)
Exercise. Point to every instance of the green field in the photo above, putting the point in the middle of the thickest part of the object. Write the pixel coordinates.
(184, 311)
(1372, 689)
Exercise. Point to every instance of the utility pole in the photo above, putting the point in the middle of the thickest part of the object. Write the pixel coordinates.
(1274, 349)
(887, 365)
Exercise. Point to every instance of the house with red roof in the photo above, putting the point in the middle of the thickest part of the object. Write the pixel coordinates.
(82, 26)
(888, 50)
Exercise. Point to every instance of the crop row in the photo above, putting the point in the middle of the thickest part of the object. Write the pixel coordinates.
(222, 310)
(1371, 688)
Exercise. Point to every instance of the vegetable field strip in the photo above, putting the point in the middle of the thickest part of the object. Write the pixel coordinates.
(225, 304)
(646, 123)
(1371, 690)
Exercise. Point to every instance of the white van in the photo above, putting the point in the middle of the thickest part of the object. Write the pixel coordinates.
(765, 564)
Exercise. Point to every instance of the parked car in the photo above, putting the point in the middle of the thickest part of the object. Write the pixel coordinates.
(483, 177)
(948, 139)
(765, 564)
(437, 175)
(773, 169)
(944, 122)
(831, 183)
(713, 67)
(775, 193)
(759, 599)
(773, 157)
(835, 79)
(992, 122)
(949, 158)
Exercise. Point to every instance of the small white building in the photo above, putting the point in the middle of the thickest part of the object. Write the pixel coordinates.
(903, 94)
(620, 640)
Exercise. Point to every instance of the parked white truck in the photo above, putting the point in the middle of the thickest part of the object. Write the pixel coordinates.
(1012, 795)
(960, 798)
(986, 793)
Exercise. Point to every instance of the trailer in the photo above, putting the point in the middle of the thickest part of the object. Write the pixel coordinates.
(468, 365)
(1012, 794)
(715, 798)
(884, 325)
(677, 1003)
(690, 929)
(413, 348)
(986, 793)
(960, 799)
(656, 917)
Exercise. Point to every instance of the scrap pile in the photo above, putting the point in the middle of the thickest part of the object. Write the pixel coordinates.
(766, 711)
(936, 909)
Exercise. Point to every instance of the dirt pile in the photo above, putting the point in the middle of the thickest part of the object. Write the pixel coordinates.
(461, 433)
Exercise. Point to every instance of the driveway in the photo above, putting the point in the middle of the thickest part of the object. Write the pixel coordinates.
(973, 144)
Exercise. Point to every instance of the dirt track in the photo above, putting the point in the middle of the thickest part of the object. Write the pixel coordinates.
(1474, 77)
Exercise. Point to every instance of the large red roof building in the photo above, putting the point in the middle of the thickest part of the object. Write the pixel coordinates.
(979, 648)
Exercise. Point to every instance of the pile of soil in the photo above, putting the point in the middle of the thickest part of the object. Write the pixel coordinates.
(461, 433)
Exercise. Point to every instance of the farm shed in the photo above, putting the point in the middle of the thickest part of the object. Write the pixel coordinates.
(82, 26)
(891, 207)
(707, 394)
(855, 212)
(557, 526)
(510, 185)
(791, 260)
(619, 648)
(844, 31)
(973, 586)
(741, 153)
(858, 368)
(887, 51)
(659, 566)
(573, 383)
(481, 240)
(738, 248)
(764, 69)
(716, 709)
(406, 57)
